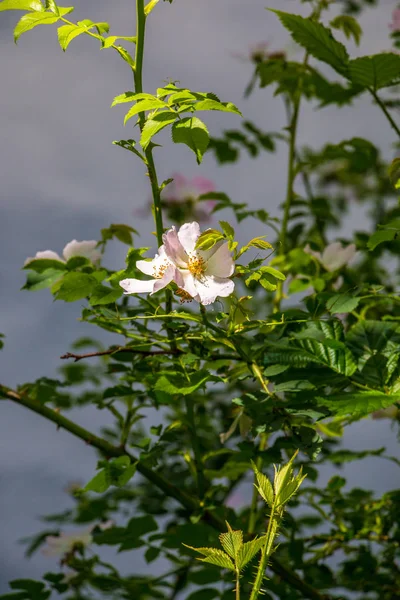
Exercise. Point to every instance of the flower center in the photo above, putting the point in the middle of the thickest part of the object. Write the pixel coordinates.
(184, 295)
(159, 270)
(196, 265)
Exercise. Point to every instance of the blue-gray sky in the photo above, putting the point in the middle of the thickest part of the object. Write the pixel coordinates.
(61, 178)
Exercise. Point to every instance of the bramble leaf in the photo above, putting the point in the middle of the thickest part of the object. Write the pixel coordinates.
(232, 541)
(215, 557)
(349, 25)
(34, 5)
(316, 39)
(154, 125)
(192, 132)
(377, 71)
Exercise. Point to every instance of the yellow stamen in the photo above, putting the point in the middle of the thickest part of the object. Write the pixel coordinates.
(184, 296)
(196, 265)
(158, 272)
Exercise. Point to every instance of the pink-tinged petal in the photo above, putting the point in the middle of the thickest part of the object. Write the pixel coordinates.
(203, 185)
(395, 24)
(174, 249)
(210, 288)
(136, 286)
(86, 248)
(188, 235)
(167, 277)
(152, 267)
(335, 256)
(49, 254)
(189, 285)
(220, 263)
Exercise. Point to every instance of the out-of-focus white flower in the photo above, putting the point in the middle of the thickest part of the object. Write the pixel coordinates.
(202, 275)
(60, 545)
(66, 542)
(334, 256)
(391, 412)
(395, 24)
(86, 248)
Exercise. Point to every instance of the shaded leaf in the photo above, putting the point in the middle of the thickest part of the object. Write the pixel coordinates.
(249, 550)
(214, 556)
(75, 286)
(192, 132)
(154, 125)
(358, 403)
(377, 71)
(231, 541)
(316, 39)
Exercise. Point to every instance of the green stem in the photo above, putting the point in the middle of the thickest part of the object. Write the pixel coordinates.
(255, 369)
(237, 588)
(385, 111)
(196, 446)
(151, 169)
(265, 554)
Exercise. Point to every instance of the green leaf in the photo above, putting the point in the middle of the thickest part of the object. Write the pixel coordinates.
(208, 239)
(227, 229)
(120, 231)
(104, 295)
(283, 475)
(177, 384)
(274, 273)
(192, 132)
(214, 105)
(231, 541)
(394, 173)
(154, 125)
(368, 338)
(76, 286)
(328, 352)
(117, 472)
(332, 353)
(349, 25)
(289, 490)
(344, 456)
(126, 56)
(264, 487)
(31, 20)
(257, 242)
(149, 7)
(144, 105)
(66, 33)
(342, 303)
(316, 39)
(377, 71)
(248, 551)
(358, 404)
(215, 557)
(39, 281)
(34, 5)
(111, 39)
(381, 236)
(42, 264)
